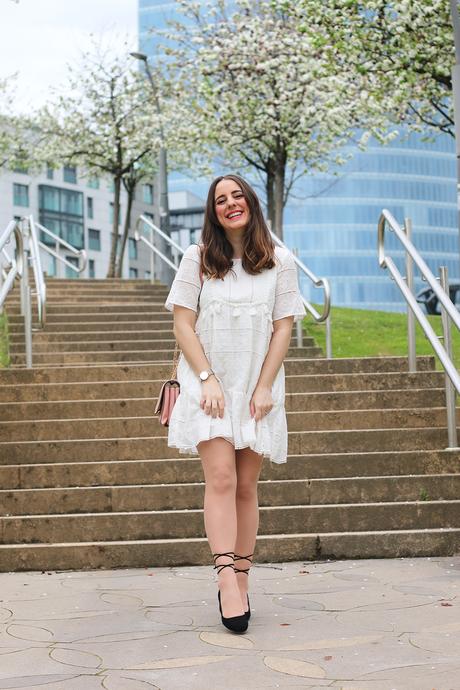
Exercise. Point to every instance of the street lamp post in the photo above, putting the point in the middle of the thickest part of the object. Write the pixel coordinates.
(162, 158)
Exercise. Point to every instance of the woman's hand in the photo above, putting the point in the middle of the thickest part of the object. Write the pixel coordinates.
(261, 402)
(212, 397)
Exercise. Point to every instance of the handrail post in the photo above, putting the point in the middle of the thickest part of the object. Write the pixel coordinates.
(328, 338)
(298, 324)
(450, 391)
(410, 314)
(26, 305)
(152, 258)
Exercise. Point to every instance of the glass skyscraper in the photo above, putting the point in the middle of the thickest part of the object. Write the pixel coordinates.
(332, 219)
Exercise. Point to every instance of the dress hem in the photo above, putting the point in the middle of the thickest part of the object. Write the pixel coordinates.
(194, 451)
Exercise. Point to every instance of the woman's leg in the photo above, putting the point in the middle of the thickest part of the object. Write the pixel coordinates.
(248, 467)
(218, 461)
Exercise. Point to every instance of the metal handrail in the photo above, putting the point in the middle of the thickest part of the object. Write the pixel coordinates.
(81, 253)
(16, 264)
(28, 246)
(17, 268)
(40, 284)
(452, 377)
(317, 282)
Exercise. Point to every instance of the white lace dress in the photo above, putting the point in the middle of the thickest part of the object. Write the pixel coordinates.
(234, 326)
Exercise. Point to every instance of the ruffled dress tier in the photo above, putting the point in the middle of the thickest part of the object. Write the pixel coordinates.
(234, 325)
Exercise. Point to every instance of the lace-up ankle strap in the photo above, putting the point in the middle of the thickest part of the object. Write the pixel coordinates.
(225, 565)
(243, 558)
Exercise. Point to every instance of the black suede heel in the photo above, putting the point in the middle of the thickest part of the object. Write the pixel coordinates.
(237, 624)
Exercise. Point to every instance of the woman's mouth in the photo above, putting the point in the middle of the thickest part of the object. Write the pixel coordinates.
(234, 215)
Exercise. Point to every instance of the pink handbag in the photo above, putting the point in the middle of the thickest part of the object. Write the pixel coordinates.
(170, 390)
(168, 395)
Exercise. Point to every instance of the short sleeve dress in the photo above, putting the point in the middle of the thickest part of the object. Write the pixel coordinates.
(234, 325)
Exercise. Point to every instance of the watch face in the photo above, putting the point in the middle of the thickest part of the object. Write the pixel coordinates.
(204, 375)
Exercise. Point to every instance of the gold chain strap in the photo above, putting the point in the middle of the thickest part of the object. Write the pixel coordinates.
(175, 361)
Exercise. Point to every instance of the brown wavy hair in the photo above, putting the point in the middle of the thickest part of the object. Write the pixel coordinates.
(217, 251)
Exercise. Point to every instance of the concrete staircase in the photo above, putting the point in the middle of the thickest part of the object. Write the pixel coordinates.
(87, 479)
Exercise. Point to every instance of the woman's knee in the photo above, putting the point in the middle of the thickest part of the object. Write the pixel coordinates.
(221, 481)
(218, 460)
(246, 490)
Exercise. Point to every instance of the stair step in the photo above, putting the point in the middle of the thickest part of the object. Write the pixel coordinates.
(107, 315)
(149, 425)
(340, 390)
(165, 347)
(172, 470)
(80, 474)
(144, 371)
(183, 496)
(177, 552)
(141, 448)
(138, 405)
(62, 338)
(129, 355)
(172, 524)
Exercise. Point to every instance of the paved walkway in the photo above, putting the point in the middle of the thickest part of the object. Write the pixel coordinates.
(356, 625)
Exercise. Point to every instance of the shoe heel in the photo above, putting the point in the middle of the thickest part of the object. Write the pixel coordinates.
(237, 624)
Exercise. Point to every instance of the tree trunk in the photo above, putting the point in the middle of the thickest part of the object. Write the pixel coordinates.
(280, 180)
(116, 218)
(130, 189)
(270, 192)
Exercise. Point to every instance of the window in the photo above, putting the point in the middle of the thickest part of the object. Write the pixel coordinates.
(70, 174)
(93, 182)
(94, 237)
(61, 211)
(49, 172)
(148, 194)
(147, 275)
(92, 268)
(132, 248)
(20, 194)
(89, 207)
(133, 272)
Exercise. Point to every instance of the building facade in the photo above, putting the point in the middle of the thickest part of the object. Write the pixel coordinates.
(79, 211)
(332, 219)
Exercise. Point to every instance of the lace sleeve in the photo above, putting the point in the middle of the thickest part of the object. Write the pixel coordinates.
(186, 285)
(288, 300)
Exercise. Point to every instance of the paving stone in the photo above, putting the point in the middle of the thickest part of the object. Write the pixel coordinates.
(380, 624)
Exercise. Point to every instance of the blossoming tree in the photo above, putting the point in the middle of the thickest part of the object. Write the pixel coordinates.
(265, 94)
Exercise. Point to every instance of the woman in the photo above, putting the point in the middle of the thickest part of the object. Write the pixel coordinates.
(234, 298)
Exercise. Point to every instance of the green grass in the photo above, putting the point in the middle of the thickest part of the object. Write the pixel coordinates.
(4, 359)
(364, 333)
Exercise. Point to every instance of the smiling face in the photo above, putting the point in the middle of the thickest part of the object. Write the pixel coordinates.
(231, 207)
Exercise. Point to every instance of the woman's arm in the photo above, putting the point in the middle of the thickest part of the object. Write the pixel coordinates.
(184, 332)
(262, 401)
(212, 398)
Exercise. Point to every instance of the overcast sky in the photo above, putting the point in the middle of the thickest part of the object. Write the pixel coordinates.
(38, 38)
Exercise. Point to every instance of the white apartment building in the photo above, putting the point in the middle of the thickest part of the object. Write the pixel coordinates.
(80, 211)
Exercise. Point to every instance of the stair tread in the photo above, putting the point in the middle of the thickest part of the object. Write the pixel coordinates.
(203, 540)
(300, 506)
(173, 485)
